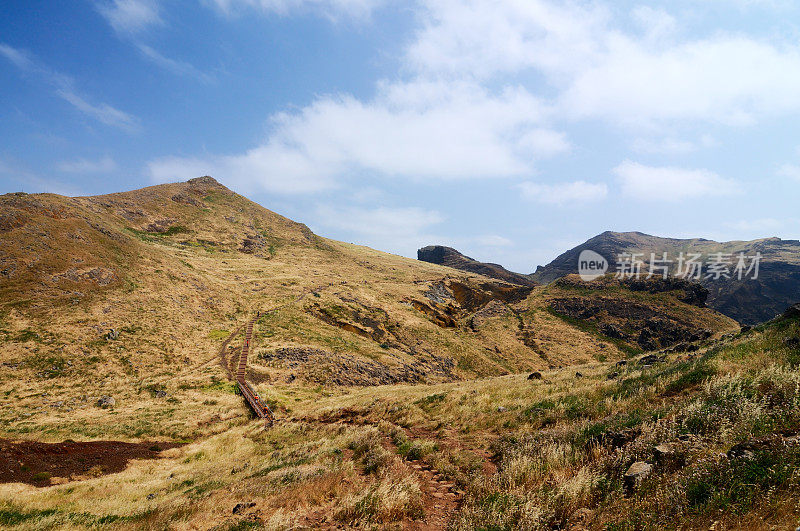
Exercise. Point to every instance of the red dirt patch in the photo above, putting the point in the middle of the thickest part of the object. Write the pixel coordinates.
(39, 464)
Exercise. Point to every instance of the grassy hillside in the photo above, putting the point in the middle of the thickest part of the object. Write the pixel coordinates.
(719, 428)
(174, 269)
(397, 383)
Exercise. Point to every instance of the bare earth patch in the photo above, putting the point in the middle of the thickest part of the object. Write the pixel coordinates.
(43, 464)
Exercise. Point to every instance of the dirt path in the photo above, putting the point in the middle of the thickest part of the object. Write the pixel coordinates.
(441, 499)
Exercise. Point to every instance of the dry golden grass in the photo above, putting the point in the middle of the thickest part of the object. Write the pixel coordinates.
(176, 296)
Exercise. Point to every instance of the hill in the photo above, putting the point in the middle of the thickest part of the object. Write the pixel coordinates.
(749, 300)
(447, 256)
(121, 320)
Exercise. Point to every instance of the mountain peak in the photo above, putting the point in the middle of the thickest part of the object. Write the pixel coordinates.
(205, 180)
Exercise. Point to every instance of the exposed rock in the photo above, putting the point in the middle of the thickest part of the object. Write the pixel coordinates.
(112, 334)
(612, 331)
(622, 363)
(745, 329)
(254, 244)
(792, 312)
(746, 448)
(159, 226)
(493, 309)
(535, 375)
(439, 293)
(650, 359)
(106, 402)
(668, 454)
(618, 438)
(501, 409)
(239, 507)
(442, 315)
(322, 366)
(99, 275)
(636, 473)
(578, 375)
(613, 376)
(160, 393)
(652, 328)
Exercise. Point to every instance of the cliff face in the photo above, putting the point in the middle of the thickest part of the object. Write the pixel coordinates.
(447, 256)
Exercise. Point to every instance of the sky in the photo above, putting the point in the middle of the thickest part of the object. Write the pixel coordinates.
(511, 130)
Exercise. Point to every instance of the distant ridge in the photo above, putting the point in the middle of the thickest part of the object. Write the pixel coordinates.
(447, 256)
(748, 301)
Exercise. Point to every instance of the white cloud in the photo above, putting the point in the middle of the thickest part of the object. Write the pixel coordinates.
(601, 71)
(670, 146)
(64, 88)
(728, 79)
(563, 193)
(463, 107)
(101, 112)
(181, 68)
(485, 38)
(102, 165)
(381, 221)
(759, 226)
(671, 184)
(656, 23)
(416, 130)
(130, 16)
(330, 8)
(789, 170)
(493, 240)
(30, 182)
(401, 230)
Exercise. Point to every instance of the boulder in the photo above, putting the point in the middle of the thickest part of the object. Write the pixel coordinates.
(239, 507)
(668, 454)
(636, 473)
(650, 359)
(112, 334)
(106, 402)
(535, 375)
(578, 375)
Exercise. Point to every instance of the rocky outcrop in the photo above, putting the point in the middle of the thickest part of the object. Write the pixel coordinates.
(447, 256)
(635, 322)
(635, 474)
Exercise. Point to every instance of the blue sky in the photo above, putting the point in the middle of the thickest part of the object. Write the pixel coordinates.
(510, 130)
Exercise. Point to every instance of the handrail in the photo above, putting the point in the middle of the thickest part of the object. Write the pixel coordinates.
(261, 409)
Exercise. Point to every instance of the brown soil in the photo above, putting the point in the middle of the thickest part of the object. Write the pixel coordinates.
(43, 464)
